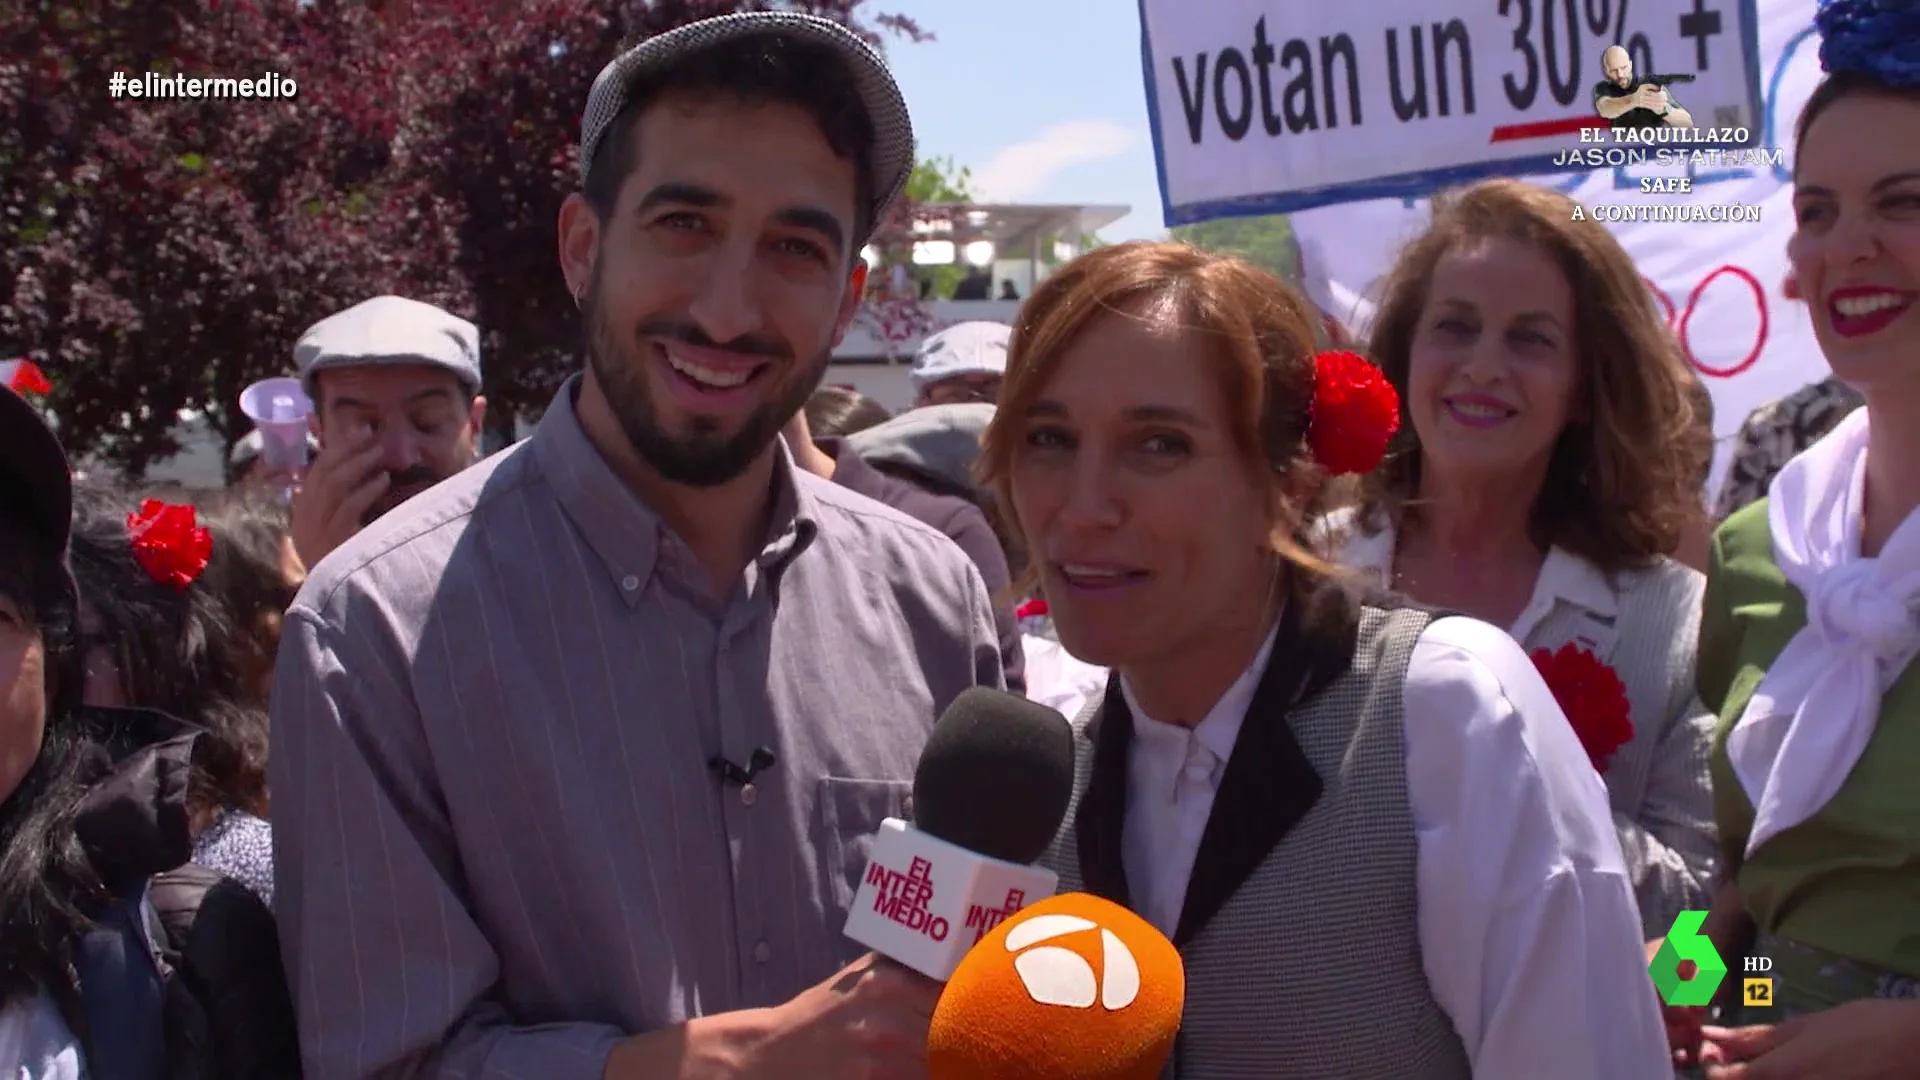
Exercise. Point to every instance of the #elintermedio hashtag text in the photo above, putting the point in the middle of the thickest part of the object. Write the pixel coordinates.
(149, 84)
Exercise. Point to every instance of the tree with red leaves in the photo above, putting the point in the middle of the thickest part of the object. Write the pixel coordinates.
(502, 146)
(157, 255)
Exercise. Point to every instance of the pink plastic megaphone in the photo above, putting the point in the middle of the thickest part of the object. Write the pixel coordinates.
(279, 408)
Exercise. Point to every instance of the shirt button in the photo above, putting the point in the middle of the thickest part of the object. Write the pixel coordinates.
(762, 953)
(629, 583)
(749, 794)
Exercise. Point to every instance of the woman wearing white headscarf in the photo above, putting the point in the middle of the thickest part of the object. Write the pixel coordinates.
(1811, 620)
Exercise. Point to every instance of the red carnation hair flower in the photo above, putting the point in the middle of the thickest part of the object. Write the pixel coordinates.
(25, 378)
(1592, 696)
(1355, 413)
(169, 543)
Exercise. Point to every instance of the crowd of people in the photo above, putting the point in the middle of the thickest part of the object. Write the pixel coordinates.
(1417, 690)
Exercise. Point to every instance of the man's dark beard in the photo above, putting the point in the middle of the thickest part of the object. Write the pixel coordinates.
(703, 458)
(418, 477)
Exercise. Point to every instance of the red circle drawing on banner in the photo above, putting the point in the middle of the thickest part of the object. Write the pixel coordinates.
(1760, 339)
(1660, 294)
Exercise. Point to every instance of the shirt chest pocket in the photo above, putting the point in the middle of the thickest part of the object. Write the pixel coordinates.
(849, 813)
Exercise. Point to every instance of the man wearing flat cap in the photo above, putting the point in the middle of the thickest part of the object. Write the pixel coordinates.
(577, 760)
(395, 385)
(961, 364)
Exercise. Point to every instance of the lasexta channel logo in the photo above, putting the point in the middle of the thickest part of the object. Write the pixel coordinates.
(1685, 943)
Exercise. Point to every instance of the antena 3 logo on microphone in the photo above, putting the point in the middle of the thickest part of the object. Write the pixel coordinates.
(1072, 988)
(925, 902)
(1059, 975)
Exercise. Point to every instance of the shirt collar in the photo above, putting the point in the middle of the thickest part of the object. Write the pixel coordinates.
(1220, 728)
(796, 511)
(624, 532)
(1564, 576)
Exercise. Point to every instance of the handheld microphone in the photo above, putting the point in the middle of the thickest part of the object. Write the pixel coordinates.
(1072, 988)
(989, 794)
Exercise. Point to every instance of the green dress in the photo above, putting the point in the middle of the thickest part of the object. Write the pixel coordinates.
(1836, 898)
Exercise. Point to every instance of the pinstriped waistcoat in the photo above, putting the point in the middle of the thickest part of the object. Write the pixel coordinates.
(1312, 968)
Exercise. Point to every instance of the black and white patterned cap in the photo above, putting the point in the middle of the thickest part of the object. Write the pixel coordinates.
(886, 109)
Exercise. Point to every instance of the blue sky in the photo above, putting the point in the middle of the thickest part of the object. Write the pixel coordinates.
(1043, 99)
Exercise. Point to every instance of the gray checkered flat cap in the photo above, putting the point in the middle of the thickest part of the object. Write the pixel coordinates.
(390, 330)
(886, 109)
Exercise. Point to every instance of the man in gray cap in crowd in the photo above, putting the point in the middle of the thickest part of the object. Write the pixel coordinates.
(395, 385)
(963, 363)
(577, 760)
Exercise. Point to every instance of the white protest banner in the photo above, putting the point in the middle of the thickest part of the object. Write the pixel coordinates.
(1720, 283)
(1271, 106)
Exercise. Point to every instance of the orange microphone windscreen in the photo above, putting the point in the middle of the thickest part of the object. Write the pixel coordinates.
(1071, 988)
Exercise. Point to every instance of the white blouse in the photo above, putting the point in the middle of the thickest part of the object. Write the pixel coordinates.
(1643, 623)
(1529, 931)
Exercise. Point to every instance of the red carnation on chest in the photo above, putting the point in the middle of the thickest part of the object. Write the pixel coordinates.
(1592, 696)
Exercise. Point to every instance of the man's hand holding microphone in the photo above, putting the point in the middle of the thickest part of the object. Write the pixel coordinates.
(989, 794)
(867, 1022)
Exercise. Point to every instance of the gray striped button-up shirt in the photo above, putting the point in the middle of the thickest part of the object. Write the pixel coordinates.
(499, 846)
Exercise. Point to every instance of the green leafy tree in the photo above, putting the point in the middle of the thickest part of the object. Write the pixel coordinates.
(936, 182)
(1266, 242)
(940, 180)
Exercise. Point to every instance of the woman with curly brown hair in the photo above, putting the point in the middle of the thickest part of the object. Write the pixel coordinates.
(1547, 465)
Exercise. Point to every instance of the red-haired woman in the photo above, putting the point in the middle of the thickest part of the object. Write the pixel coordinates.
(1370, 830)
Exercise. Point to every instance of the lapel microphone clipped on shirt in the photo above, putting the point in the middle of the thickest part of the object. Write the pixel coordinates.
(733, 774)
